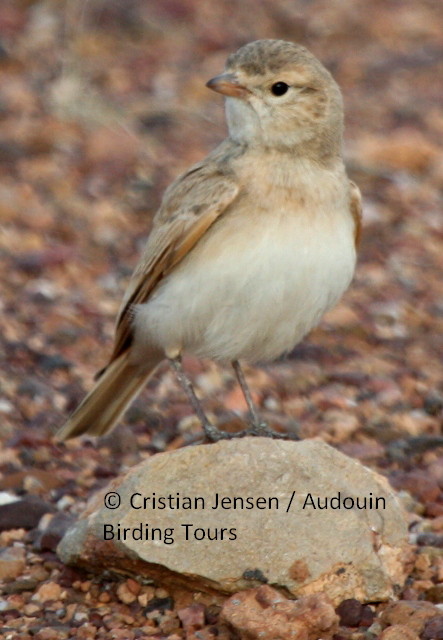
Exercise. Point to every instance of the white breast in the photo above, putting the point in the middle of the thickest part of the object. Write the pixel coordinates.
(251, 290)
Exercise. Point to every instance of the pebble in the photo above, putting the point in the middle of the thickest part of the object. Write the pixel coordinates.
(125, 595)
(133, 586)
(413, 614)
(48, 591)
(430, 540)
(30, 609)
(433, 629)
(353, 613)
(435, 593)
(192, 617)
(25, 513)
(265, 614)
(399, 632)
(339, 424)
(53, 530)
(12, 562)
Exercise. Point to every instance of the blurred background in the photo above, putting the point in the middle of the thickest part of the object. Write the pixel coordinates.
(102, 104)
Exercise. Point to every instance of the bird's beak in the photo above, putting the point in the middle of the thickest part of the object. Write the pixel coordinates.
(228, 85)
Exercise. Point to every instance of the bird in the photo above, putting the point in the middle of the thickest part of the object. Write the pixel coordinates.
(249, 247)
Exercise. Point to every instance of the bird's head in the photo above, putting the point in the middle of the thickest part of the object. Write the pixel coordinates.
(278, 95)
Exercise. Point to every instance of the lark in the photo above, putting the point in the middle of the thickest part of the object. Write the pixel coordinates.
(249, 248)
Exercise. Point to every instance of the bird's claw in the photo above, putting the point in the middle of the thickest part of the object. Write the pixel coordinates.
(215, 435)
(260, 429)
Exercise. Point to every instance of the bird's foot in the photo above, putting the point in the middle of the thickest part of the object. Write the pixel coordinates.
(262, 429)
(214, 435)
(259, 429)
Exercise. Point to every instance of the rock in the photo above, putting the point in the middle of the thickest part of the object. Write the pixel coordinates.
(125, 594)
(435, 594)
(433, 629)
(350, 612)
(418, 483)
(18, 586)
(159, 604)
(23, 514)
(44, 481)
(52, 528)
(192, 617)
(267, 526)
(12, 562)
(264, 614)
(399, 632)
(430, 540)
(354, 614)
(412, 614)
(48, 591)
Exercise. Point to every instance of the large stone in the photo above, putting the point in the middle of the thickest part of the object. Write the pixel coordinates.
(298, 515)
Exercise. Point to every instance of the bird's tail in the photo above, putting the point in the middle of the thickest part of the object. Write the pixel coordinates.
(119, 383)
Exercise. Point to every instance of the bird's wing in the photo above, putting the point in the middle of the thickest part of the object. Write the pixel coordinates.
(356, 210)
(190, 206)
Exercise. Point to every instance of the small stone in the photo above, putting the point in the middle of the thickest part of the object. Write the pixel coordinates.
(133, 586)
(86, 632)
(85, 586)
(55, 528)
(80, 617)
(105, 597)
(49, 633)
(146, 595)
(169, 623)
(48, 591)
(24, 513)
(413, 614)
(423, 566)
(159, 604)
(350, 612)
(12, 535)
(12, 562)
(121, 634)
(367, 616)
(41, 481)
(143, 599)
(418, 483)
(374, 630)
(430, 540)
(435, 594)
(339, 424)
(31, 609)
(192, 617)
(38, 572)
(18, 586)
(264, 614)
(125, 595)
(433, 629)
(399, 632)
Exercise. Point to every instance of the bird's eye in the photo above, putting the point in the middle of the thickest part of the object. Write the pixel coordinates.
(279, 88)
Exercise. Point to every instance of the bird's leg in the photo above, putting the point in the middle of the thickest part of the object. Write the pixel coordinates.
(247, 395)
(211, 432)
(259, 428)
